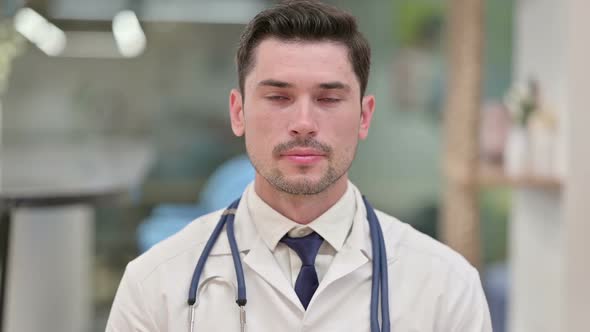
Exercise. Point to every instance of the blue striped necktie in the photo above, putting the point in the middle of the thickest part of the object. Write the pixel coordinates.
(307, 248)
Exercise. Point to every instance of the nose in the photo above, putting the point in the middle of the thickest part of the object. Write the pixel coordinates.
(303, 124)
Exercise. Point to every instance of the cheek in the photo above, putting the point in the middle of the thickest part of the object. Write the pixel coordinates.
(259, 119)
(345, 129)
(260, 131)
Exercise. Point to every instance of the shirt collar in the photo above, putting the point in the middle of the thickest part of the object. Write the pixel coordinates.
(334, 225)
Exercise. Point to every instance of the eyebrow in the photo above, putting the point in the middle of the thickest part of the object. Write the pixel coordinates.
(325, 86)
(275, 83)
(334, 86)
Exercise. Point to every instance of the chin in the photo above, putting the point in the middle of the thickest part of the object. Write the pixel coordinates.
(303, 178)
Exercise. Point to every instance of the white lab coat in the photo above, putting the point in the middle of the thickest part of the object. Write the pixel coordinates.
(431, 287)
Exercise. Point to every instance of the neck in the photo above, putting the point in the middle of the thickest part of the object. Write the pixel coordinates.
(302, 209)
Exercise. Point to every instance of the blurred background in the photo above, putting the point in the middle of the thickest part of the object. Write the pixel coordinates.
(115, 134)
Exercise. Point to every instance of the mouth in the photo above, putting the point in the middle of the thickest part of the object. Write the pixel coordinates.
(303, 156)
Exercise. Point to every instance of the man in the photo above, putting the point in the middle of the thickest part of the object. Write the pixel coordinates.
(303, 69)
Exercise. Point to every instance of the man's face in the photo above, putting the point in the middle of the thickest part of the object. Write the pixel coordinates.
(302, 114)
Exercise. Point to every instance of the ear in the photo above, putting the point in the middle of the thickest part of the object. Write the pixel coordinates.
(367, 109)
(236, 112)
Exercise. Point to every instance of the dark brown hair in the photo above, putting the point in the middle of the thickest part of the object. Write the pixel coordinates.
(305, 20)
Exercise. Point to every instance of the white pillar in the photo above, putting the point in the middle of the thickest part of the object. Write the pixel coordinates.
(536, 260)
(49, 283)
(536, 232)
(576, 205)
(550, 232)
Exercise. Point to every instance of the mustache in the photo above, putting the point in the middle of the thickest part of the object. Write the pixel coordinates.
(302, 143)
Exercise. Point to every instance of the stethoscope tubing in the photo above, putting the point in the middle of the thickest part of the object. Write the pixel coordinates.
(231, 237)
(192, 295)
(379, 279)
(380, 275)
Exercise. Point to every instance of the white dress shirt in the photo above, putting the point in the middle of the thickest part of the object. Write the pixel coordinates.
(333, 226)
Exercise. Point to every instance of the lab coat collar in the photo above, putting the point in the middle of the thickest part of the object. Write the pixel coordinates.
(247, 235)
(244, 230)
(355, 253)
(359, 238)
(360, 235)
(333, 225)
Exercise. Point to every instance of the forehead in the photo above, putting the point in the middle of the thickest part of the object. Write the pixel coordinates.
(301, 62)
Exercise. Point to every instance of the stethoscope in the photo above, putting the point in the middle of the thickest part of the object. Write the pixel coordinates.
(379, 278)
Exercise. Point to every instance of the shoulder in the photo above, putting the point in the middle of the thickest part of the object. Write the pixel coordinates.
(439, 275)
(188, 241)
(408, 245)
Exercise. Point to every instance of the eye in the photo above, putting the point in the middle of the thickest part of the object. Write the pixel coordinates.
(277, 98)
(329, 100)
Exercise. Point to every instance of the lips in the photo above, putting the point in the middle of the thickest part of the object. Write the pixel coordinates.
(301, 152)
(303, 156)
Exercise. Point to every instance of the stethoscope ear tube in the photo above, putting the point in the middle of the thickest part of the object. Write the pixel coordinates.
(380, 275)
(231, 237)
(375, 280)
(385, 323)
(192, 294)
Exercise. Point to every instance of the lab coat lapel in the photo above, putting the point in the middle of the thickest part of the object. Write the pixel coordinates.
(257, 255)
(261, 260)
(353, 255)
(345, 262)
(356, 251)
